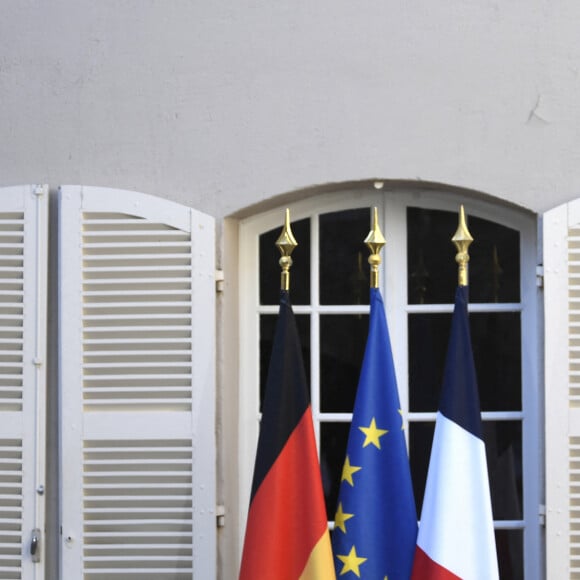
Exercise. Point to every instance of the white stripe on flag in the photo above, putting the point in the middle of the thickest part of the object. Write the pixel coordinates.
(458, 525)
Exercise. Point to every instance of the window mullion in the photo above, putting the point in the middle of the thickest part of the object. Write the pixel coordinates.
(315, 327)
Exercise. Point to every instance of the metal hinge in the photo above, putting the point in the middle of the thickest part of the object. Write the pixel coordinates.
(540, 276)
(219, 280)
(220, 515)
(542, 515)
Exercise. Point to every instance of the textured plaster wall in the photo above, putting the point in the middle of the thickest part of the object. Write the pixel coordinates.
(223, 104)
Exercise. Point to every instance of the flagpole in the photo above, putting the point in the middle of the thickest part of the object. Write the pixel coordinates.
(286, 244)
(375, 523)
(457, 508)
(462, 240)
(287, 534)
(375, 242)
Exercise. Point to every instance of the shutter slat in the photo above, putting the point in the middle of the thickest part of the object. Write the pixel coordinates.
(137, 318)
(135, 246)
(115, 293)
(156, 279)
(135, 352)
(142, 328)
(156, 269)
(149, 376)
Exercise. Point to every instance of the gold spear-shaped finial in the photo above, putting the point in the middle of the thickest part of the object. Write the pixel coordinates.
(286, 244)
(375, 242)
(462, 239)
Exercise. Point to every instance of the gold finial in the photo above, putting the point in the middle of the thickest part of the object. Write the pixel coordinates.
(375, 242)
(462, 239)
(286, 244)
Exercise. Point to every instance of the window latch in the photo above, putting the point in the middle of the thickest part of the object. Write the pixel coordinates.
(219, 281)
(540, 276)
(35, 545)
(542, 515)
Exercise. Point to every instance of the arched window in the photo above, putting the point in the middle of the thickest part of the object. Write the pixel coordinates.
(330, 295)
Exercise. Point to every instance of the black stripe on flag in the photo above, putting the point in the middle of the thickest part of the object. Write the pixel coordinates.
(286, 395)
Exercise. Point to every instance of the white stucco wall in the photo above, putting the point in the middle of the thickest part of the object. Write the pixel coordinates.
(222, 104)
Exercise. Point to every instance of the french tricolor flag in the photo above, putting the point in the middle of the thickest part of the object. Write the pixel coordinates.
(456, 537)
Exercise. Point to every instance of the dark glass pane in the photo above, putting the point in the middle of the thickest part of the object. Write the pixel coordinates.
(503, 444)
(496, 343)
(267, 328)
(343, 257)
(510, 554)
(299, 272)
(503, 441)
(420, 439)
(496, 340)
(333, 439)
(342, 344)
(494, 265)
(428, 338)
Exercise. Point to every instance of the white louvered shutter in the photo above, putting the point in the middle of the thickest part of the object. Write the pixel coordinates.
(23, 265)
(562, 391)
(137, 384)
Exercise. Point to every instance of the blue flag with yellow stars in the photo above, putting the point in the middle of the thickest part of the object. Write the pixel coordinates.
(375, 526)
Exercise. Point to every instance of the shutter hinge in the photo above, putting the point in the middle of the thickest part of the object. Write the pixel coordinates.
(542, 515)
(540, 276)
(39, 190)
(219, 280)
(220, 514)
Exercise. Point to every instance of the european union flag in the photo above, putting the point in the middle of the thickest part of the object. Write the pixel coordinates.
(375, 527)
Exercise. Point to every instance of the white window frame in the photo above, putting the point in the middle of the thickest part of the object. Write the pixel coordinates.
(392, 214)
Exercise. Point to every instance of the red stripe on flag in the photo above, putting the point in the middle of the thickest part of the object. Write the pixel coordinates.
(424, 567)
(287, 516)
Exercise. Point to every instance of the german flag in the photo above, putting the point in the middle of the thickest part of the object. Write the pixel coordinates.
(287, 536)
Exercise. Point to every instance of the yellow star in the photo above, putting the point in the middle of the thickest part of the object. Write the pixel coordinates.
(351, 562)
(348, 470)
(340, 517)
(372, 434)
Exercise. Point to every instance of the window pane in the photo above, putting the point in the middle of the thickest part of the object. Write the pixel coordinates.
(510, 554)
(495, 340)
(343, 257)
(503, 441)
(494, 265)
(342, 344)
(333, 439)
(300, 270)
(267, 328)
(420, 439)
